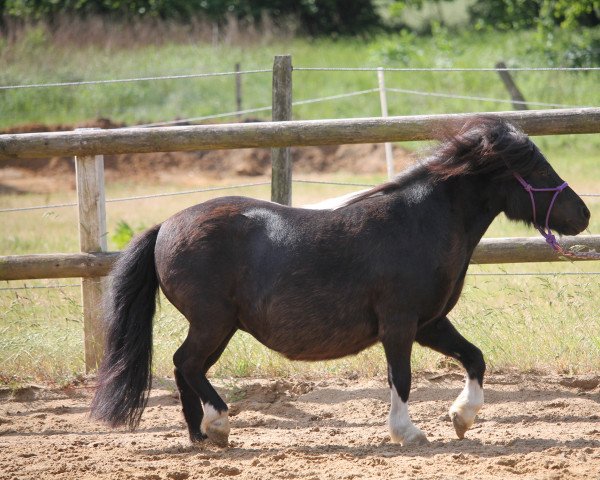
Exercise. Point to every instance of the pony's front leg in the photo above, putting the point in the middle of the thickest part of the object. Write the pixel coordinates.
(444, 338)
(397, 344)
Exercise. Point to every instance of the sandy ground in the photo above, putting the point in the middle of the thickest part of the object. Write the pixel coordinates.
(545, 427)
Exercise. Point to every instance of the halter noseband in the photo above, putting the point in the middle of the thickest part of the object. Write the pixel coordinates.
(545, 231)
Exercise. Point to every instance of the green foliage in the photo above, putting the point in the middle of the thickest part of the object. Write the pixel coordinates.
(570, 13)
(560, 25)
(44, 9)
(146, 102)
(523, 14)
(123, 234)
(504, 14)
(316, 17)
(579, 48)
(336, 16)
(406, 50)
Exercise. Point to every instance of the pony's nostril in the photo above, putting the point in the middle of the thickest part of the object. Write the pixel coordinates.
(586, 212)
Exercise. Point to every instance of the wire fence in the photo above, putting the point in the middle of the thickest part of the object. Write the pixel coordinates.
(480, 98)
(299, 69)
(131, 80)
(446, 69)
(332, 97)
(204, 190)
(266, 108)
(469, 274)
(141, 197)
(477, 98)
(11, 295)
(40, 287)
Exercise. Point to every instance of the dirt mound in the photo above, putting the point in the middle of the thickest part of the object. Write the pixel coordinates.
(544, 427)
(216, 164)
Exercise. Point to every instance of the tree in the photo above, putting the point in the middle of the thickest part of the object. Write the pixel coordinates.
(316, 17)
(523, 14)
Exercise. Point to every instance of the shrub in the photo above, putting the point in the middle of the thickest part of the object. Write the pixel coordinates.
(123, 234)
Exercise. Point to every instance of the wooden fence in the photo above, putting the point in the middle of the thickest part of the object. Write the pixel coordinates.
(88, 146)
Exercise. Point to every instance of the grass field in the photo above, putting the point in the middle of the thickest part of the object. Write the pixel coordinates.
(152, 101)
(540, 322)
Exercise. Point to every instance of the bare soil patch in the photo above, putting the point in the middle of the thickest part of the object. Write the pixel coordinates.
(52, 174)
(543, 427)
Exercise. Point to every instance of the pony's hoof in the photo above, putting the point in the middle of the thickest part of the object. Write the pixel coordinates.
(417, 438)
(218, 437)
(216, 426)
(463, 416)
(460, 427)
(412, 437)
(466, 407)
(197, 437)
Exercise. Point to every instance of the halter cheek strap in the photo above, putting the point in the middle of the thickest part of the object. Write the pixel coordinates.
(545, 230)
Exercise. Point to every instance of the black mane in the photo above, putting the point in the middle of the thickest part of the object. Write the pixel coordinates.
(484, 145)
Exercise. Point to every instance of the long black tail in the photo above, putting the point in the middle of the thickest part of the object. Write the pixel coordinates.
(124, 378)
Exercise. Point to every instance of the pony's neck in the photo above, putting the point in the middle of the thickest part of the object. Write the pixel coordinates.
(476, 204)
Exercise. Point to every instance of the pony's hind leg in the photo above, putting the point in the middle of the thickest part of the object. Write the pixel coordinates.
(397, 344)
(191, 366)
(444, 338)
(190, 404)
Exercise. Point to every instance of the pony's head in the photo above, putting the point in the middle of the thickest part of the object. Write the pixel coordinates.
(526, 185)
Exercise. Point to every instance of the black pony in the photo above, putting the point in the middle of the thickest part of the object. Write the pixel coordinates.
(388, 266)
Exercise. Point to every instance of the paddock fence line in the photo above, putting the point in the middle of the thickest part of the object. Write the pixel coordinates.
(236, 73)
(97, 264)
(281, 134)
(89, 145)
(61, 286)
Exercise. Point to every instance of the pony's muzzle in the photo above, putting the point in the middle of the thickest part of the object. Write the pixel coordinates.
(585, 212)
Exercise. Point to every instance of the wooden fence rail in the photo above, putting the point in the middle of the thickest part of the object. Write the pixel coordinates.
(280, 134)
(86, 265)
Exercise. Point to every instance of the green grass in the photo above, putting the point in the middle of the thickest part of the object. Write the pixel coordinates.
(529, 323)
(29, 62)
(542, 323)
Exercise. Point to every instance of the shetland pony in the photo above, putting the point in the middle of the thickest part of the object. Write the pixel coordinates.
(388, 266)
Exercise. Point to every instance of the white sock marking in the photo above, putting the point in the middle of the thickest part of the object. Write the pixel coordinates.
(215, 420)
(402, 430)
(473, 392)
(468, 403)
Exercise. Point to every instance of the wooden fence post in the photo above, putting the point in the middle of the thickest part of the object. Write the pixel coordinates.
(389, 155)
(89, 172)
(511, 86)
(281, 163)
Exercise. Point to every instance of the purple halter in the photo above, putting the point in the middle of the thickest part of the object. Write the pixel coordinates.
(545, 231)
